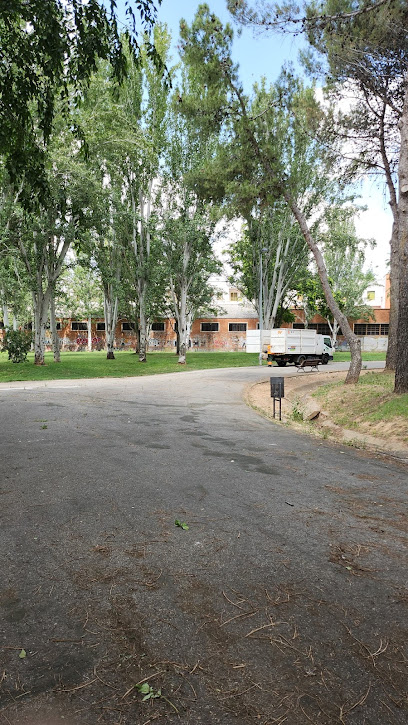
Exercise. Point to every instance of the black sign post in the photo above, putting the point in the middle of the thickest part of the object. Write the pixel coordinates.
(277, 393)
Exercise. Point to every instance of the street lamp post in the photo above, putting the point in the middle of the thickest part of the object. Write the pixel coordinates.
(263, 249)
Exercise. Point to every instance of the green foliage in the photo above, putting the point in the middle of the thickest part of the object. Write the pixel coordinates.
(297, 412)
(17, 344)
(272, 233)
(181, 525)
(49, 51)
(84, 296)
(148, 692)
(126, 137)
(344, 254)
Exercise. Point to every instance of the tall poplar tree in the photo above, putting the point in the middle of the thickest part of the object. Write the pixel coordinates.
(271, 138)
(365, 43)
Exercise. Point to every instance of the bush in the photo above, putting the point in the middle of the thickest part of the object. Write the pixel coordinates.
(17, 344)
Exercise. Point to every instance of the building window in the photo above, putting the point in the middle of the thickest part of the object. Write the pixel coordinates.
(158, 326)
(298, 326)
(209, 327)
(79, 326)
(371, 295)
(371, 329)
(321, 328)
(127, 327)
(233, 296)
(100, 327)
(237, 326)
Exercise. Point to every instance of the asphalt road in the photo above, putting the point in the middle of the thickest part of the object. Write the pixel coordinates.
(284, 601)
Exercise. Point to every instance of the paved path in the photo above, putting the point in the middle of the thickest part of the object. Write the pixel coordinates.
(285, 598)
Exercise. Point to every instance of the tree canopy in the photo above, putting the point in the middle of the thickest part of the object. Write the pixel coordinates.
(48, 51)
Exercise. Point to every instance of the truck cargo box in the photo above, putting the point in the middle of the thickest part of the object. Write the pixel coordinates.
(295, 342)
(252, 340)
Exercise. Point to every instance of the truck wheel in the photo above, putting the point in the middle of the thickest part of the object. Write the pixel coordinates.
(281, 363)
(325, 359)
(300, 359)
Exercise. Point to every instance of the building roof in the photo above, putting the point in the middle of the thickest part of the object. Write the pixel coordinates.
(235, 310)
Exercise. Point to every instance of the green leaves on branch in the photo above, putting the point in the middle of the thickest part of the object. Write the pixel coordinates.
(50, 49)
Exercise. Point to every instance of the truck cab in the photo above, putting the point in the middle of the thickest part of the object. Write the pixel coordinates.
(327, 350)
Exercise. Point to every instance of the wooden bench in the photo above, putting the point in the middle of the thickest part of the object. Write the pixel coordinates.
(312, 362)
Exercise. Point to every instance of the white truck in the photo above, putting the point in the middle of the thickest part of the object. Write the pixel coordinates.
(285, 345)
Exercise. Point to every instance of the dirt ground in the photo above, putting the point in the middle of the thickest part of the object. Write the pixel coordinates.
(298, 391)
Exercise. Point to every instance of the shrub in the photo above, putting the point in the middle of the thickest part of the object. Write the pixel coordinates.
(297, 412)
(17, 343)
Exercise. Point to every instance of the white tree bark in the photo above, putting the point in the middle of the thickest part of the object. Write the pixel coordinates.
(111, 318)
(47, 270)
(41, 303)
(54, 332)
(143, 331)
(89, 333)
(6, 320)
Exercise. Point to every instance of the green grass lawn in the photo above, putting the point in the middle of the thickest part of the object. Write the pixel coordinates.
(126, 364)
(344, 356)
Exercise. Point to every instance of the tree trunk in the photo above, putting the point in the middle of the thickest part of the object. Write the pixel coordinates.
(41, 303)
(15, 323)
(6, 321)
(89, 330)
(353, 341)
(142, 333)
(391, 359)
(183, 326)
(401, 367)
(54, 332)
(334, 329)
(111, 318)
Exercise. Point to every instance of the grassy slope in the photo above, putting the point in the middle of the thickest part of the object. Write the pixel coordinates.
(371, 406)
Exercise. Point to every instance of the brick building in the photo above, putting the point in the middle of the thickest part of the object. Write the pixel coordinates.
(225, 330)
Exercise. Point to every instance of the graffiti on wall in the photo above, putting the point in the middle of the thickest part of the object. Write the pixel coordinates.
(83, 342)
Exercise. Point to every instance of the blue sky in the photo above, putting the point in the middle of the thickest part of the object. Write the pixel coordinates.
(258, 55)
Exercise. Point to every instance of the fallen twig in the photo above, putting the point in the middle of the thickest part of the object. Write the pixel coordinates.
(239, 616)
(79, 687)
(361, 701)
